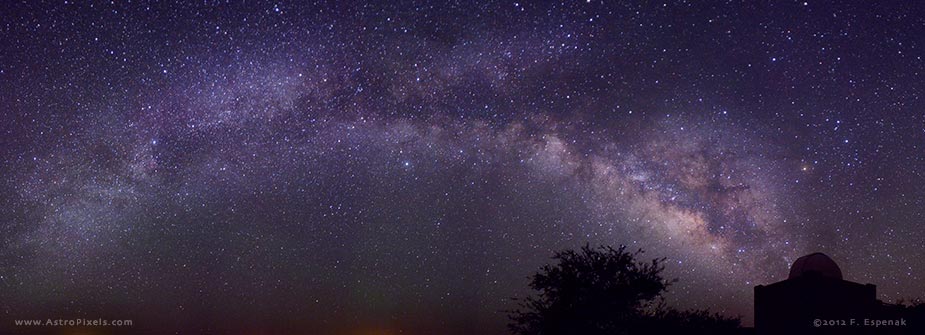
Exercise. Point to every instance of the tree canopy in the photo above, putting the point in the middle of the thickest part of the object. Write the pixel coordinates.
(606, 290)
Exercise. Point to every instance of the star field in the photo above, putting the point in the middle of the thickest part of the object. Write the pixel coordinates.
(402, 167)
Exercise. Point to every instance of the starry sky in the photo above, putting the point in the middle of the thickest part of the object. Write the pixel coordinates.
(402, 167)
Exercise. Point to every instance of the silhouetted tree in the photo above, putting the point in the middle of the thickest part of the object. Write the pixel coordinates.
(913, 310)
(605, 291)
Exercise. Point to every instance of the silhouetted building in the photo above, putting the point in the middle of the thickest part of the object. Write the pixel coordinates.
(815, 299)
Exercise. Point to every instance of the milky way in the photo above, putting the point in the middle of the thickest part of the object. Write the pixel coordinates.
(405, 167)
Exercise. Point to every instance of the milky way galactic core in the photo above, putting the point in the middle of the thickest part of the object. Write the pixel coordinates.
(405, 166)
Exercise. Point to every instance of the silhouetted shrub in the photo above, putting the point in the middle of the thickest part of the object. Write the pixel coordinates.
(606, 291)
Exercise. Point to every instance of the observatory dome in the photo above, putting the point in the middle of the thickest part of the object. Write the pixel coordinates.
(817, 264)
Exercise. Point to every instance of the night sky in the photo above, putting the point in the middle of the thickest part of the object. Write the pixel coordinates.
(403, 167)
